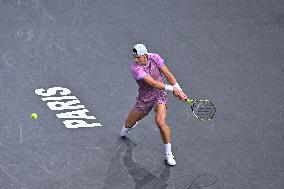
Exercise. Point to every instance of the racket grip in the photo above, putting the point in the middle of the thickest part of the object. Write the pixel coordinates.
(189, 101)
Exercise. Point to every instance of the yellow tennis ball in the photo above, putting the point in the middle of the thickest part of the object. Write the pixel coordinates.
(34, 116)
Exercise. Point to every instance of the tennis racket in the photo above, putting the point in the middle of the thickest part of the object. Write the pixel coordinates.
(204, 110)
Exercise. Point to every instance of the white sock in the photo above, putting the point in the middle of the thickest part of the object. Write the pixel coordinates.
(168, 148)
(125, 129)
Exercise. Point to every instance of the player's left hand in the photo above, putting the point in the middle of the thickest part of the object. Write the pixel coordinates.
(179, 94)
(183, 96)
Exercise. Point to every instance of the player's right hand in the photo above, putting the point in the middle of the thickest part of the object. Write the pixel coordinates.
(183, 97)
(179, 94)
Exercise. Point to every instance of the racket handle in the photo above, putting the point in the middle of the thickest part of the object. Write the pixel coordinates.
(189, 101)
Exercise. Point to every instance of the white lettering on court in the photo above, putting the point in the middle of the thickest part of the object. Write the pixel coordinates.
(58, 100)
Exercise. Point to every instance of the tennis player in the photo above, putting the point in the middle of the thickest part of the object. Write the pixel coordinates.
(148, 69)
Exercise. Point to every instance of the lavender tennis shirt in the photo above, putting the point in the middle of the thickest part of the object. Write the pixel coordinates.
(152, 68)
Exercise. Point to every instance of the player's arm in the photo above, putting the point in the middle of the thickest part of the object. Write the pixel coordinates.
(172, 80)
(153, 83)
(158, 85)
(169, 76)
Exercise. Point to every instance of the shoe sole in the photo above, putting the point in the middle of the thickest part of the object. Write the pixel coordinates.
(169, 164)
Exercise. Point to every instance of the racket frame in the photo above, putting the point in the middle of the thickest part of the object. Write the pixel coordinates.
(191, 102)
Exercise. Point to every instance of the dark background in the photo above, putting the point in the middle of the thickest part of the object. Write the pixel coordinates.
(228, 51)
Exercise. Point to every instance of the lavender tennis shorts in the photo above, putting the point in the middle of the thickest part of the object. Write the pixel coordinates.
(147, 106)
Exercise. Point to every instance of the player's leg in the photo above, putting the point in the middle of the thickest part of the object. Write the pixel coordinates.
(139, 110)
(133, 117)
(160, 118)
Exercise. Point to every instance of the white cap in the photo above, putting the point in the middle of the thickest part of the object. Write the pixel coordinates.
(139, 49)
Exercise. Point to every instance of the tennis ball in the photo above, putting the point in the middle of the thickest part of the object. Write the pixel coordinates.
(34, 116)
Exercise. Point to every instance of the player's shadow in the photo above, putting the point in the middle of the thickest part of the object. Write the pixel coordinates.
(142, 178)
(203, 180)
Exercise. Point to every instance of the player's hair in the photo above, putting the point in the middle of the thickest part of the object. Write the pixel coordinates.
(134, 51)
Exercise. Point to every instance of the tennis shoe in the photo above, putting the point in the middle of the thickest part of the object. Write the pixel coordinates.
(124, 131)
(169, 157)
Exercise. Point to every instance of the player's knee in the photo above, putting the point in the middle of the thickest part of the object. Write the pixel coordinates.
(161, 122)
(163, 127)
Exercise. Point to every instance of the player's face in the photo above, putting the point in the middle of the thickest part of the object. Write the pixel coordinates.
(140, 59)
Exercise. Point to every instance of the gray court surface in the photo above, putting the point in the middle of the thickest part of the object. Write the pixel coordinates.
(228, 51)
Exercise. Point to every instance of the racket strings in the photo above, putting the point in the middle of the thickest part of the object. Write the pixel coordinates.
(204, 110)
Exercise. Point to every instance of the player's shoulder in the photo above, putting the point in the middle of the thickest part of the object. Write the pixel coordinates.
(154, 56)
(135, 67)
